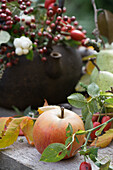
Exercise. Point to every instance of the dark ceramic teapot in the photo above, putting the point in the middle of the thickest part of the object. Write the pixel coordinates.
(30, 82)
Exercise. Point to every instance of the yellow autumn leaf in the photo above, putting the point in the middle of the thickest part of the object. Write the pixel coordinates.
(104, 140)
(27, 128)
(89, 67)
(11, 133)
(3, 122)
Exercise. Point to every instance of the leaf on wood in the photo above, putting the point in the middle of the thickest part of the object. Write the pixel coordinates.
(104, 140)
(105, 24)
(4, 121)
(54, 152)
(11, 133)
(27, 128)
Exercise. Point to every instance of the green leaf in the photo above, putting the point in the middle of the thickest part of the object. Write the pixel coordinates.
(4, 37)
(88, 121)
(68, 140)
(92, 157)
(93, 90)
(77, 139)
(27, 110)
(93, 106)
(110, 100)
(106, 94)
(29, 56)
(68, 151)
(54, 153)
(90, 151)
(77, 100)
(69, 130)
(85, 112)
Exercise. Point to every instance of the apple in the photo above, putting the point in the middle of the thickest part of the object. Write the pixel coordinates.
(50, 127)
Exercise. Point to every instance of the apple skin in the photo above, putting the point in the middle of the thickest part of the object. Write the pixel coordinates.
(51, 128)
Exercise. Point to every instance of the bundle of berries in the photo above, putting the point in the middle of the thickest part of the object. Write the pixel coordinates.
(97, 119)
(33, 26)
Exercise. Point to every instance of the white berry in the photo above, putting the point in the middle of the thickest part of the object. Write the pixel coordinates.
(25, 51)
(19, 51)
(17, 42)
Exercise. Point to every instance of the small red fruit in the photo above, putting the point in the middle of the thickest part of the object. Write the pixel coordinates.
(94, 118)
(105, 119)
(77, 35)
(85, 166)
(95, 124)
(48, 2)
(54, 7)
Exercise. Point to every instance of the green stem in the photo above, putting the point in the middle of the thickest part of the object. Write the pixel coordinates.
(90, 130)
(87, 139)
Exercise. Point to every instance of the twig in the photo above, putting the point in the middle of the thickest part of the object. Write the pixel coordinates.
(96, 31)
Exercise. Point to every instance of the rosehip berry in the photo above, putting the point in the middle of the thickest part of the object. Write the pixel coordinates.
(39, 33)
(44, 59)
(52, 25)
(85, 166)
(75, 23)
(64, 9)
(50, 13)
(44, 49)
(9, 64)
(8, 55)
(94, 118)
(48, 2)
(41, 51)
(105, 119)
(54, 7)
(73, 18)
(59, 10)
(48, 22)
(80, 27)
(77, 35)
(95, 124)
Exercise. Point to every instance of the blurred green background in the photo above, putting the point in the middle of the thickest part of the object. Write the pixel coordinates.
(83, 10)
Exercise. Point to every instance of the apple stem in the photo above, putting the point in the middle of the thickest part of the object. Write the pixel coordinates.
(62, 112)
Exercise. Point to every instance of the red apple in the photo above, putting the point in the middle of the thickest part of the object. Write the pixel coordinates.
(50, 128)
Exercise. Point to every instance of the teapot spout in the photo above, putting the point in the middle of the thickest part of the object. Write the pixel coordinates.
(53, 65)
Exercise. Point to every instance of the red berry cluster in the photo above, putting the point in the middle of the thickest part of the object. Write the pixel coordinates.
(60, 26)
(43, 30)
(8, 23)
(97, 123)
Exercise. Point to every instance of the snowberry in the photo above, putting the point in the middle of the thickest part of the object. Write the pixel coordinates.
(25, 51)
(19, 51)
(17, 42)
